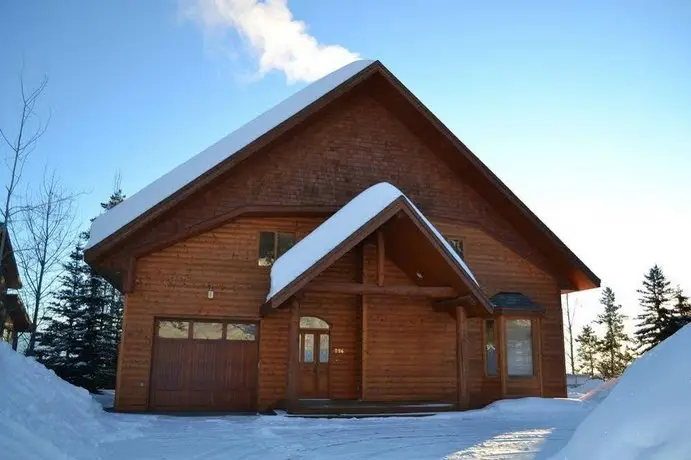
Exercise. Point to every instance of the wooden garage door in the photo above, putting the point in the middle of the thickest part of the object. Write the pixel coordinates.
(204, 366)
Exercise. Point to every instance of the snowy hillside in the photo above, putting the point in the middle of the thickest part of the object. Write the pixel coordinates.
(44, 417)
(647, 414)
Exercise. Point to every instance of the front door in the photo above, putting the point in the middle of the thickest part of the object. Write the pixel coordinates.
(315, 354)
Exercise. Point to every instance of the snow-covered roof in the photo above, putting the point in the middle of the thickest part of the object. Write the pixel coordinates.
(348, 220)
(110, 222)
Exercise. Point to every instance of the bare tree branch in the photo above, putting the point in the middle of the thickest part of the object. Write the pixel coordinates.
(27, 135)
(49, 232)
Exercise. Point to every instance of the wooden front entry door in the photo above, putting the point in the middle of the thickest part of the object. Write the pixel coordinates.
(315, 354)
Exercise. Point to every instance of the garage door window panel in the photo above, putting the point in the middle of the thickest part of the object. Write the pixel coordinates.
(174, 329)
(207, 331)
(241, 332)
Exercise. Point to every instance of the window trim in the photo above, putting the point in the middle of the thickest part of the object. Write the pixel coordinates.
(275, 247)
(497, 348)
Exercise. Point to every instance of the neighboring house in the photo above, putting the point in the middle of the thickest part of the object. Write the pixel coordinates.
(12, 309)
(294, 261)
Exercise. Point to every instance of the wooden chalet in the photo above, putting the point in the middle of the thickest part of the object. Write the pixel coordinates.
(342, 250)
(12, 311)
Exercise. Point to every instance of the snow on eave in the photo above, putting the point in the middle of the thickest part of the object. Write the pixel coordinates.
(339, 227)
(113, 220)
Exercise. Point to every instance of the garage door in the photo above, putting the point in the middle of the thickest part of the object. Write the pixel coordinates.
(204, 366)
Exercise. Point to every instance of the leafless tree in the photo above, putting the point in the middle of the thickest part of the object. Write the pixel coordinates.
(48, 230)
(570, 316)
(29, 130)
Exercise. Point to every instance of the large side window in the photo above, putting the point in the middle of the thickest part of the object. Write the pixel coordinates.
(519, 347)
(273, 245)
(490, 348)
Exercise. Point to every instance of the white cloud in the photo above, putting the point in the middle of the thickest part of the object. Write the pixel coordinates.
(279, 41)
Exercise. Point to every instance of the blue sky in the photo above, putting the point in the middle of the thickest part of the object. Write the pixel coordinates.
(584, 109)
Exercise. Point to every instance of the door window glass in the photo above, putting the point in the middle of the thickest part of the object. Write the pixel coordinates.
(308, 353)
(323, 348)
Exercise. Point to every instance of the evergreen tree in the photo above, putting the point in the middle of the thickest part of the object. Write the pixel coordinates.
(655, 323)
(111, 303)
(613, 346)
(57, 345)
(588, 350)
(681, 312)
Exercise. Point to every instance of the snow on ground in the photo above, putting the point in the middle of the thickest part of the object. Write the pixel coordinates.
(506, 430)
(647, 414)
(106, 398)
(122, 214)
(332, 232)
(586, 386)
(43, 417)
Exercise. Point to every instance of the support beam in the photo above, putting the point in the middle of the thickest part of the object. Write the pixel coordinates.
(462, 357)
(394, 289)
(380, 258)
(130, 276)
(364, 334)
(293, 354)
(501, 350)
(461, 301)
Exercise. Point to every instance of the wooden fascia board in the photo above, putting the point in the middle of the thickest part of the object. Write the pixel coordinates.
(489, 176)
(460, 272)
(209, 176)
(408, 290)
(336, 253)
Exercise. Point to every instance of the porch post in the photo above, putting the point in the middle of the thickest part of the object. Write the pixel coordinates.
(293, 354)
(462, 357)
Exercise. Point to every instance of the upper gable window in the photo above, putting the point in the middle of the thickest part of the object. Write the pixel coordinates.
(273, 245)
(457, 245)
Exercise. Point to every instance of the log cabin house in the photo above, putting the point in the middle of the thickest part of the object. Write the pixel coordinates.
(13, 315)
(342, 248)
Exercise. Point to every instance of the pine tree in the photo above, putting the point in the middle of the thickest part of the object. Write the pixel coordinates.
(111, 302)
(57, 345)
(613, 346)
(587, 350)
(681, 311)
(655, 323)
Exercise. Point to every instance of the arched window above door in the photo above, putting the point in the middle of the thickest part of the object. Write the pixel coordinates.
(312, 322)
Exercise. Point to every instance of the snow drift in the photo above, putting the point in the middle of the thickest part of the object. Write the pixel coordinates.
(44, 417)
(647, 413)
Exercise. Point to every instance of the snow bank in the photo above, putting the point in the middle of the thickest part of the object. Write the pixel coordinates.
(584, 388)
(44, 417)
(351, 217)
(137, 204)
(535, 405)
(647, 413)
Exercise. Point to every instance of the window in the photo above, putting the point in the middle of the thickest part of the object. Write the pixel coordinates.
(456, 245)
(207, 331)
(245, 332)
(173, 329)
(310, 322)
(519, 347)
(308, 351)
(490, 349)
(273, 245)
(323, 348)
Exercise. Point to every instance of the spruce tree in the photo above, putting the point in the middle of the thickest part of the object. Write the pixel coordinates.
(111, 302)
(613, 346)
(681, 311)
(57, 346)
(655, 323)
(588, 350)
